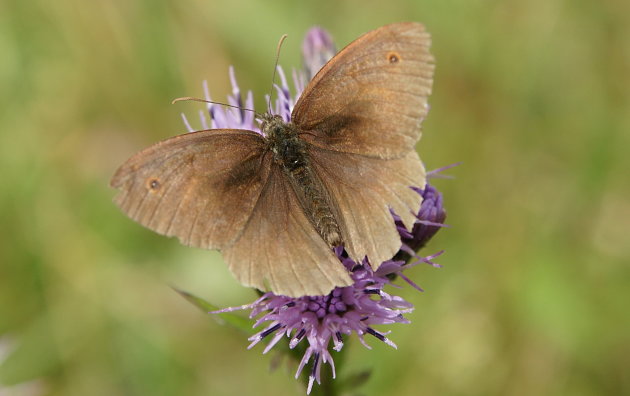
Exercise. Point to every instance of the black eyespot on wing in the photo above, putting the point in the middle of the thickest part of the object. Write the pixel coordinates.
(393, 57)
(153, 184)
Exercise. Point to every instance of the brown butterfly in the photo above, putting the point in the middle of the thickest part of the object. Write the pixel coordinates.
(276, 203)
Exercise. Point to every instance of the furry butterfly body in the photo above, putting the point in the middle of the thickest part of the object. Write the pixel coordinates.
(276, 203)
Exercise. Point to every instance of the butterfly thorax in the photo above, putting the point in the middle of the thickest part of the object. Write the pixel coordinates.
(291, 154)
(282, 137)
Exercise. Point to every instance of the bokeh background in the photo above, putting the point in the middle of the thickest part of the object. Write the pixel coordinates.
(532, 96)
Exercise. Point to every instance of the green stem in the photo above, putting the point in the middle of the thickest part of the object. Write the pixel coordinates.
(329, 386)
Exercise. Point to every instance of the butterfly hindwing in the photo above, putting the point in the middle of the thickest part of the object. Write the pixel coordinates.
(280, 249)
(364, 189)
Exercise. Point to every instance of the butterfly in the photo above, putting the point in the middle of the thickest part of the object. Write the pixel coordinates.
(276, 203)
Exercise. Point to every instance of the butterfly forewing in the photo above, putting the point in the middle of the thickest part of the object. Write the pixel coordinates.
(372, 96)
(280, 250)
(200, 187)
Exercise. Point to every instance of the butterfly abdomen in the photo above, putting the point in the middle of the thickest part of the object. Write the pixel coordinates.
(313, 199)
(290, 153)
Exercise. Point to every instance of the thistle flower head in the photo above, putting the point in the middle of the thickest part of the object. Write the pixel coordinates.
(429, 220)
(323, 321)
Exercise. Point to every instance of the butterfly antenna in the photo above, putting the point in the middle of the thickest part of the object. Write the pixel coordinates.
(275, 67)
(192, 99)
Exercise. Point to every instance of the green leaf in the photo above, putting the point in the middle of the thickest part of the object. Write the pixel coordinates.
(230, 318)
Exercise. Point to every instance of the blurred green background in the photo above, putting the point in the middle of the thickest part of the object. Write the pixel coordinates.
(532, 96)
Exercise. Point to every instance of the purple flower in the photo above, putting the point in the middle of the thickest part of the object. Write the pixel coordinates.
(318, 320)
(430, 219)
(239, 118)
(322, 322)
(317, 49)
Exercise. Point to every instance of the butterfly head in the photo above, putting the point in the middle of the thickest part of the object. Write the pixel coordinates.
(271, 124)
